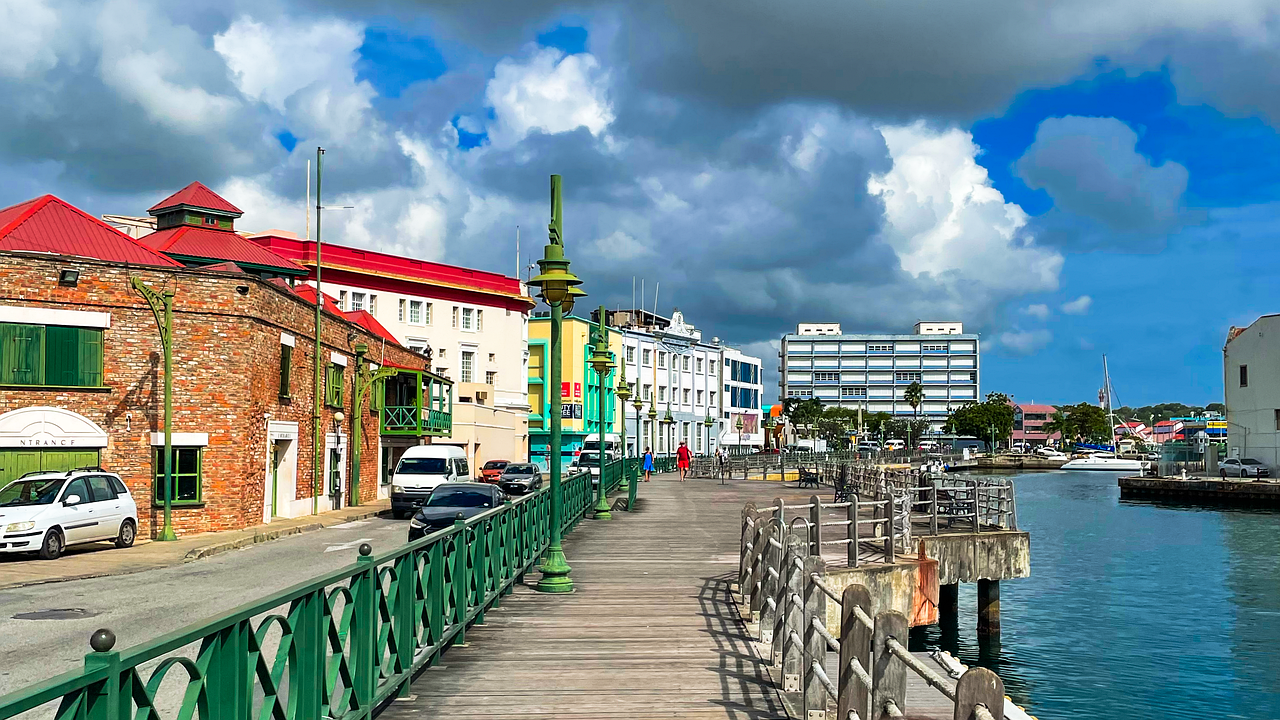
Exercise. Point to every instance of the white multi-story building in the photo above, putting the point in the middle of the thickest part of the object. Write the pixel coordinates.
(670, 366)
(1252, 390)
(742, 387)
(873, 371)
(474, 324)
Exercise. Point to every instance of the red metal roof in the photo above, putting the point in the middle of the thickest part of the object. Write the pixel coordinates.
(1032, 408)
(212, 244)
(52, 225)
(196, 195)
(308, 293)
(384, 268)
(370, 323)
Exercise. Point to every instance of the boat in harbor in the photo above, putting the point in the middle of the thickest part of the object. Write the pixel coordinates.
(1104, 461)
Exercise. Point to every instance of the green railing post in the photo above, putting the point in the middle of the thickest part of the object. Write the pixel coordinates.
(435, 592)
(480, 567)
(460, 581)
(405, 624)
(103, 700)
(364, 626)
(635, 484)
(228, 674)
(307, 619)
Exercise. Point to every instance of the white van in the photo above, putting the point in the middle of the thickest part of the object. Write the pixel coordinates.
(612, 444)
(421, 469)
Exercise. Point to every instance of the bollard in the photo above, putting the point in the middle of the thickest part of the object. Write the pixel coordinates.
(815, 525)
(979, 686)
(790, 615)
(889, 675)
(771, 582)
(744, 555)
(815, 608)
(855, 645)
(851, 530)
(779, 507)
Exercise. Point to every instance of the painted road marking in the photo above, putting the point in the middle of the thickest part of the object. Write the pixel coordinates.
(347, 545)
(349, 525)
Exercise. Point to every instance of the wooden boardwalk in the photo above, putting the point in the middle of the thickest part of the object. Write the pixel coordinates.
(650, 632)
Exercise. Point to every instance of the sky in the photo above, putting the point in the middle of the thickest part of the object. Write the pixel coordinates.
(1067, 179)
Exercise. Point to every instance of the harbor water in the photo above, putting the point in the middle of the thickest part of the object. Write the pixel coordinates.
(1133, 610)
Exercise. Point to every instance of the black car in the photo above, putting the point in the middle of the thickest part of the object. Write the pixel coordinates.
(450, 500)
(520, 478)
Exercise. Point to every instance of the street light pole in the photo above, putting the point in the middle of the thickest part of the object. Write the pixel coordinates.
(318, 388)
(601, 363)
(555, 281)
(162, 307)
(623, 393)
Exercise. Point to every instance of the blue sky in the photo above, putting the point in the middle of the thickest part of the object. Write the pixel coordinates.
(1067, 182)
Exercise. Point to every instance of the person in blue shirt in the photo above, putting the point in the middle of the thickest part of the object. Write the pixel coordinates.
(648, 463)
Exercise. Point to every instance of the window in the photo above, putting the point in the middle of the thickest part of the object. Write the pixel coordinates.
(400, 312)
(186, 476)
(973, 377)
(467, 359)
(415, 312)
(879, 348)
(211, 220)
(711, 398)
(373, 304)
(907, 377)
(455, 316)
(685, 365)
(686, 397)
(333, 385)
(78, 487)
(934, 348)
(631, 354)
(286, 364)
(662, 393)
(699, 397)
(466, 318)
(357, 301)
(826, 377)
(51, 355)
(479, 320)
(1277, 419)
(662, 359)
(493, 357)
(491, 377)
(853, 392)
(442, 353)
(1244, 376)
(645, 359)
(342, 299)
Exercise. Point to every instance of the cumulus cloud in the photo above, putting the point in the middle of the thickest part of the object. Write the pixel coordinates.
(946, 221)
(1079, 306)
(1038, 310)
(27, 30)
(549, 91)
(1025, 342)
(1092, 170)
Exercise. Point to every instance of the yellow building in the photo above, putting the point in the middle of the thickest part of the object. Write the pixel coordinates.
(579, 404)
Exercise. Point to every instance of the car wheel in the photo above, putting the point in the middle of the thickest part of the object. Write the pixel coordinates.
(51, 548)
(127, 534)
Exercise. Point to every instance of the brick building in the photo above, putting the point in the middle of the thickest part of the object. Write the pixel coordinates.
(81, 377)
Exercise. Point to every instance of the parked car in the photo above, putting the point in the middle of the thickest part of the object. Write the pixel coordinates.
(868, 446)
(420, 470)
(1248, 467)
(492, 470)
(450, 500)
(520, 479)
(588, 460)
(45, 512)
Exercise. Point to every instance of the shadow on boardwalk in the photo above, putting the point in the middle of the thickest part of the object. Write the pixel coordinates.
(650, 631)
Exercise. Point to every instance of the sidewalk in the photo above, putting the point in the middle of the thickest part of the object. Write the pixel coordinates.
(101, 559)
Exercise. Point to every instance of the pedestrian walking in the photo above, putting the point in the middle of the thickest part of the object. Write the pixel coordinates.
(683, 456)
(648, 463)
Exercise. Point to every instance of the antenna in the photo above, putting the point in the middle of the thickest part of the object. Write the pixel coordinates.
(517, 252)
(656, 287)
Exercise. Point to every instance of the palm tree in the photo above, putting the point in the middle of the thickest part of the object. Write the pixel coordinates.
(914, 395)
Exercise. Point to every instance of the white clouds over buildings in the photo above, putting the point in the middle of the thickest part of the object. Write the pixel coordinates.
(548, 91)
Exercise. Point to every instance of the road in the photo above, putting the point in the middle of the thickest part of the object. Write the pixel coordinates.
(144, 605)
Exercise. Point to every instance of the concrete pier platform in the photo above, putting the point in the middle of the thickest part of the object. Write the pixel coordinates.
(1238, 492)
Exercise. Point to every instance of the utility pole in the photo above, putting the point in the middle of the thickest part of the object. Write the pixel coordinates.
(317, 438)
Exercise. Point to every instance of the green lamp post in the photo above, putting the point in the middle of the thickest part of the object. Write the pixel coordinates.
(623, 393)
(555, 282)
(638, 405)
(602, 363)
(653, 426)
(162, 307)
(670, 434)
(709, 421)
(366, 383)
(738, 425)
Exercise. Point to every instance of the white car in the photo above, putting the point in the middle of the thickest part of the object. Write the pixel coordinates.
(46, 512)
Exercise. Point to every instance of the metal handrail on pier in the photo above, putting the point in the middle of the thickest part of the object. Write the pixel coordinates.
(782, 581)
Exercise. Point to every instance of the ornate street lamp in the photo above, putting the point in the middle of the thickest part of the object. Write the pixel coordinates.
(555, 283)
(602, 363)
(671, 430)
(623, 393)
(653, 426)
(738, 425)
(709, 422)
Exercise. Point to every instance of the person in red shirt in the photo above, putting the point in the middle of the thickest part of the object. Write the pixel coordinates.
(683, 456)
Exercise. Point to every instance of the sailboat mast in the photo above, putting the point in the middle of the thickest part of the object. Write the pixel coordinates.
(1111, 418)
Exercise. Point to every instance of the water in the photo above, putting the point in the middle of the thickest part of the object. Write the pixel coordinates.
(1133, 610)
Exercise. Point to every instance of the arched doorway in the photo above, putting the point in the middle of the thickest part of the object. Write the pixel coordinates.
(47, 439)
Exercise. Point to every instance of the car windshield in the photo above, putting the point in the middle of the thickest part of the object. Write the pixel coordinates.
(1250, 462)
(460, 497)
(518, 470)
(495, 464)
(423, 466)
(589, 458)
(31, 492)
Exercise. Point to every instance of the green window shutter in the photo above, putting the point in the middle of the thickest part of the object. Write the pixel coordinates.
(90, 358)
(62, 356)
(286, 364)
(21, 354)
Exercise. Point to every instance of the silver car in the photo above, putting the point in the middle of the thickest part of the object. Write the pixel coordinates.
(1242, 468)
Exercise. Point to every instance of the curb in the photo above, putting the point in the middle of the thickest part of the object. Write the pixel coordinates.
(267, 535)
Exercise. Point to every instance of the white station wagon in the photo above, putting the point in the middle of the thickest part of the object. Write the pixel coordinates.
(47, 511)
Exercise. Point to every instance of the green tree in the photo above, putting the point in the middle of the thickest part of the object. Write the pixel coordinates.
(803, 413)
(914, 395)
(980, 419)
(835, 425)
(875, 422)
(1082, 422)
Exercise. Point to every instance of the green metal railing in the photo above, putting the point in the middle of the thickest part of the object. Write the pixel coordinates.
(412, 420)
(337, 646)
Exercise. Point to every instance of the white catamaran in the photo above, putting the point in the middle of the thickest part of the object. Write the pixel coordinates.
(1107, 461)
